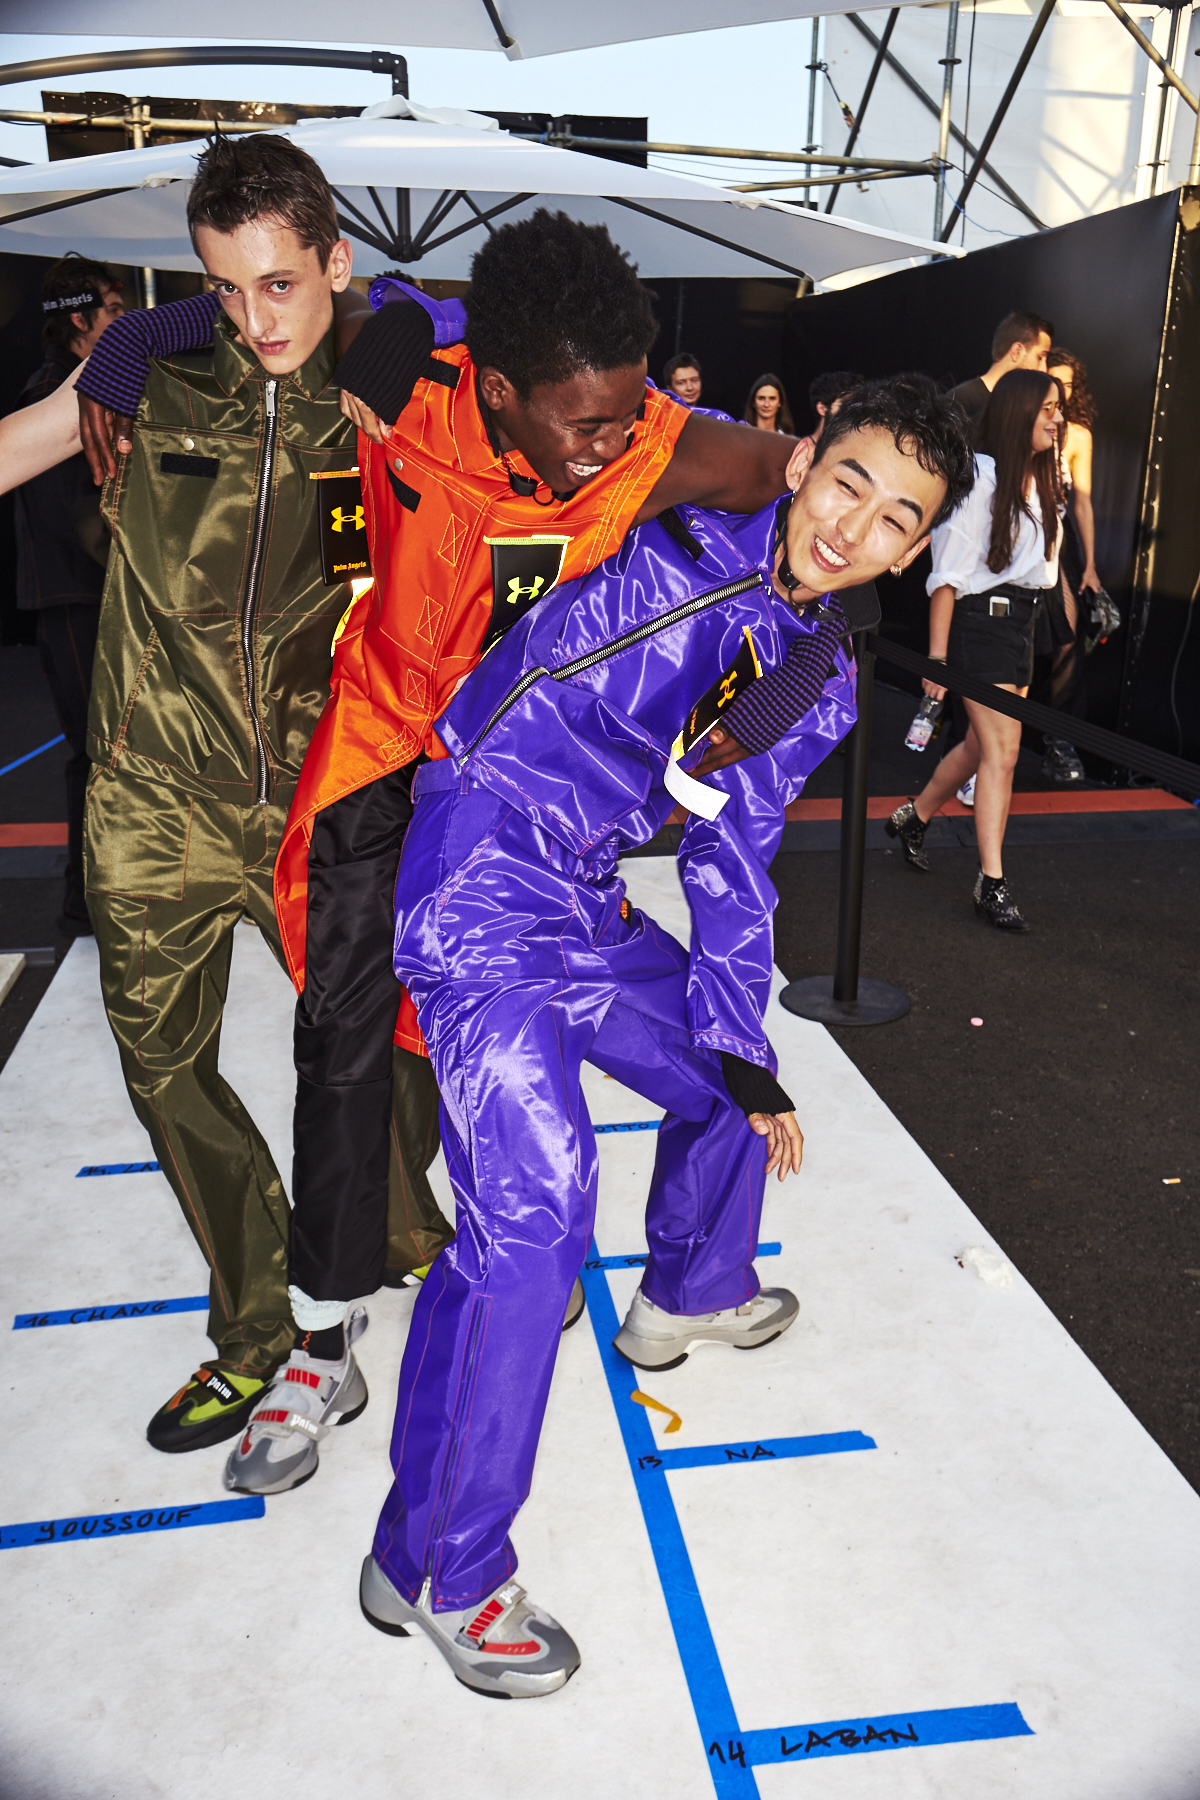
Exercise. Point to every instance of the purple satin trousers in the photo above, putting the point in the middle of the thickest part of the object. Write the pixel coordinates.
(523, 967)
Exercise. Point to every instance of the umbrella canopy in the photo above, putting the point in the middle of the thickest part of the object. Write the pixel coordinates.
(422, 193)
(518, 27)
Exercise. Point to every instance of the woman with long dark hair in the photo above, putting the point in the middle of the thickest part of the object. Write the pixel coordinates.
(1058, 633)
(767, 407)
(994, 560)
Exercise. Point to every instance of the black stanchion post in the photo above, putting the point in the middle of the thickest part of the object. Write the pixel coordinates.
(845, 998)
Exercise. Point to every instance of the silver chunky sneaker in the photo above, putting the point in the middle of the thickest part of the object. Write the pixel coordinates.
(653, 1339)
(505, 1646)
(279, 1448)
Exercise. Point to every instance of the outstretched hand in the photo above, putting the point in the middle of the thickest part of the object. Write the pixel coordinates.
(785, 1141)
(105, 436)
(369, 423)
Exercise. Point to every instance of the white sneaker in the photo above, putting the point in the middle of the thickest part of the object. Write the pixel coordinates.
(966, 792)
(504, 1646)
(653, 1339)
(279, 1448)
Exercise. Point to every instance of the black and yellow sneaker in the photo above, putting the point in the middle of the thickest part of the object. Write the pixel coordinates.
(214, 1405)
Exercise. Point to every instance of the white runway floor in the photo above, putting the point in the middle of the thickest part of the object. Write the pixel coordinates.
(999, 1599)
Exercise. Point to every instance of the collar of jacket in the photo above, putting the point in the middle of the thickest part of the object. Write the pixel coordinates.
(235, 363)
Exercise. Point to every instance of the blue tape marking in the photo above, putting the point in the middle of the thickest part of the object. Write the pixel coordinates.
(895, 1731)
(697, 1652)
(143, 1168)
(30, 754)
(637, 1125)
(128, 1309)
(733, 1753)
(642, 1257)
(130, 1524)
(714, 1456)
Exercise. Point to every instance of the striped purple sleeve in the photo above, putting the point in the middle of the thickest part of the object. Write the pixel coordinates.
(767, 710)
(117, 368)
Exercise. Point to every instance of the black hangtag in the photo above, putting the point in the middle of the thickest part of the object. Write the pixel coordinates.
(523, 570)
(344, 550)
(707, 711)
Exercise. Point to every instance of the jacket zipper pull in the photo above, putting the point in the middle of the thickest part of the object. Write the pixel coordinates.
(272, 386)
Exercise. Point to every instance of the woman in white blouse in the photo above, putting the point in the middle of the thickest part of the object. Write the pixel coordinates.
(993, 560)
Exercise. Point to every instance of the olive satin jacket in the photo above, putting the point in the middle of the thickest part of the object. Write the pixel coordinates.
(213, 658)
(458, 554)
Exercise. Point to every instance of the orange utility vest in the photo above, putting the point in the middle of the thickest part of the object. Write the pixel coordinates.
(457, 555)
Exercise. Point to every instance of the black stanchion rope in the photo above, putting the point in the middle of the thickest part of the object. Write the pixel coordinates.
(1127, 753)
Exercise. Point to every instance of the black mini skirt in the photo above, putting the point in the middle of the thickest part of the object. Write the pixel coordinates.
(990, 647)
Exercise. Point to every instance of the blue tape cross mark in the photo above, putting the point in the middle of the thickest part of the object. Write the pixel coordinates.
(634, 1125)
(30, 754)
(731, 1752)
(130, 1524)
(127, 1309)
(641, 1258)
(142, 1168)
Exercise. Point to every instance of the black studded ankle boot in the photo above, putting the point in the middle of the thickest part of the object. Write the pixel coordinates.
(907, 825)
(994, 903)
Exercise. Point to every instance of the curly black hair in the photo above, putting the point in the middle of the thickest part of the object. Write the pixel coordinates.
(923, 422)
(549, 297)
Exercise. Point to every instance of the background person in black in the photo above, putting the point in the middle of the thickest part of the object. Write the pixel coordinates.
(1020, 341)
(826, 393)
(62, 543)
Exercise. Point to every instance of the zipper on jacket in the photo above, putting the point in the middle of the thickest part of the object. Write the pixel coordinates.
(262, 505)
(637, 635)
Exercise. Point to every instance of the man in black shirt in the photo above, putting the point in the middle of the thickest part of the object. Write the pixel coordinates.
(62, 544)
(1021, 341)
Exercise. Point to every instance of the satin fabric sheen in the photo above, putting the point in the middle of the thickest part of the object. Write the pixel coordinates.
(524, 961)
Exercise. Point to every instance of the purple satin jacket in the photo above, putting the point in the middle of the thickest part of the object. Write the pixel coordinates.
(572, 715)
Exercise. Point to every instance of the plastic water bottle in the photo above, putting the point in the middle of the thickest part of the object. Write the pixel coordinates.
(922, 727)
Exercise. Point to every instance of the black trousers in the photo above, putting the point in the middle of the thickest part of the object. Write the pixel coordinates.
(366, 1125)
(66, 641)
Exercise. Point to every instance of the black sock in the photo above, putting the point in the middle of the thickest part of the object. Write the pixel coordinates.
(328, 1345)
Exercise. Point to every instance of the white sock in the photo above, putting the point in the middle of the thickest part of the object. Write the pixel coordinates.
(316, 1315)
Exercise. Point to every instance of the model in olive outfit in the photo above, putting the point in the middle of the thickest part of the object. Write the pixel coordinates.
(211, 670)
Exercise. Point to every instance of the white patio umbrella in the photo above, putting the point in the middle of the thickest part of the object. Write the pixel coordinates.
(422, 193)
(518, 27)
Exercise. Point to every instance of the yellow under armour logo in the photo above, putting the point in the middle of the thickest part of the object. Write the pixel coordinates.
(728, 689)
(516, 591)
(354, 520)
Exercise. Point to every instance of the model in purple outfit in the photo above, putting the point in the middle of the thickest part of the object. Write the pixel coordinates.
(567, 746)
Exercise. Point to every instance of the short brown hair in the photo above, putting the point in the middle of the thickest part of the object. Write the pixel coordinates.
(1019, 328)
(239, 179)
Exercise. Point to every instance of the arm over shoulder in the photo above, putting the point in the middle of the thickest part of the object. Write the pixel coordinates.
(733, 467)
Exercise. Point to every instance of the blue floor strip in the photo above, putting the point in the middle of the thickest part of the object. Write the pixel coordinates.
(126, 1309)
(733, 1753)
(641, 1257)
(142, 1168)
(130, 1524)
(717, 1456)
(30, 754)
(895, 1731)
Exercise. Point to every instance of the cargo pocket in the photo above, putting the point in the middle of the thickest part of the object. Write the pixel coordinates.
(136, 838)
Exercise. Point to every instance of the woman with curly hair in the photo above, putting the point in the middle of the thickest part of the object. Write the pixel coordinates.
(1057, 638)
(767, 407)
(994, 561)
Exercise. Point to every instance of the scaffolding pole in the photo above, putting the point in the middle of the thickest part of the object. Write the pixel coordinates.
(998, 117)
(949, 64)
(872, 78)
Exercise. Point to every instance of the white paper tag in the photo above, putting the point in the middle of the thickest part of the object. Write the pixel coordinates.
(693, 794)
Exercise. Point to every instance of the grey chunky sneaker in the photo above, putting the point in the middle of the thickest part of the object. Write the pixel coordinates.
(907, 825)
(653, 1339)
(574, 1306)
(279, 1448)
(505, 1646)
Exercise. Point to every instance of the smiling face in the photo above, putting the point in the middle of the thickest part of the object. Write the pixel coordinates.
(567, 431)
(859, 510)
(1048, 423)
(273, 288)
(686, 383)
(766, 405)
